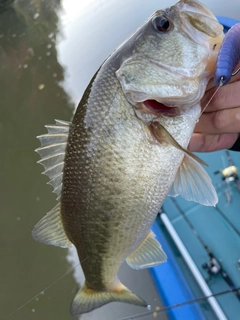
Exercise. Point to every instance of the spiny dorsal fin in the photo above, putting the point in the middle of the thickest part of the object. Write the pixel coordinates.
(52, 152)
(162, 135)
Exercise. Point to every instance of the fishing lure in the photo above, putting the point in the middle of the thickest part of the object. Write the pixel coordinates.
(228, 57)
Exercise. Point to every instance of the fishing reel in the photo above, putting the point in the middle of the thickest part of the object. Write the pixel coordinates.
(228, 174)
(230, 178)
(213, 267)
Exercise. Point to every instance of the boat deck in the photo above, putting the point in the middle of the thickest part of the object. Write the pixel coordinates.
(203, 230)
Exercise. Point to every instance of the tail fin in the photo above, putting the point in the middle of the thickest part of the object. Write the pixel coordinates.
(87, 299)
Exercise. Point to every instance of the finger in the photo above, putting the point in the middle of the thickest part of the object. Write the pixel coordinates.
(223, 121)
(227, 97)
(207, 143)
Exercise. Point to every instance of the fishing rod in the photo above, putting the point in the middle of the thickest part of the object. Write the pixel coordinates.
(213, 266)
(178, 305)
(227, 220)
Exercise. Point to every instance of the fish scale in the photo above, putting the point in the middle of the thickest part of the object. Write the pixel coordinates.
(100, 200)
(104, 198)
(122, 158)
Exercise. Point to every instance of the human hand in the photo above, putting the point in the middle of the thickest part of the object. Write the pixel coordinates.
(219, 125)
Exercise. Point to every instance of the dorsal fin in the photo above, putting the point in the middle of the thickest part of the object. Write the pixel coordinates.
(52, 152)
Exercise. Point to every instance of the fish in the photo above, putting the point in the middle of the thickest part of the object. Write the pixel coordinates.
(125, 150)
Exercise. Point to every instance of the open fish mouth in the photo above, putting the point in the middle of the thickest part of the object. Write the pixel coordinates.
(155, 107)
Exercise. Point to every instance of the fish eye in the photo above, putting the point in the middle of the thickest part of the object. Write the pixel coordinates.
(162, 24)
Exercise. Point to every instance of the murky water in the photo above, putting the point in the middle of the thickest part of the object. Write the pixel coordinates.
(48, 53)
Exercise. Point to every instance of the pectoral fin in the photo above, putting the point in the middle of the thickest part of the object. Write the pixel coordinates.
(148, 254)
(193, 183)
(162, 135)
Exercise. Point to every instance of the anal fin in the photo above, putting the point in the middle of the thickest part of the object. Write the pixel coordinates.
(148, 254)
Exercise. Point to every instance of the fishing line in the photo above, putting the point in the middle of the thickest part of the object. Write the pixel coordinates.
(141, 315)
(194, 231)
(227, 220)
(221, 82)
(209, 101)
(212, 257)
(45, 289)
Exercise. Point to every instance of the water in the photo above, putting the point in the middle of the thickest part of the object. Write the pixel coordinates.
(48, 54)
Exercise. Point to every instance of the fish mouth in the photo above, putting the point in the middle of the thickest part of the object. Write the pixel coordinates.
(155, 107)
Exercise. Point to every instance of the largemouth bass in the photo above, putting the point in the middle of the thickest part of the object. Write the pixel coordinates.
(125, 150)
